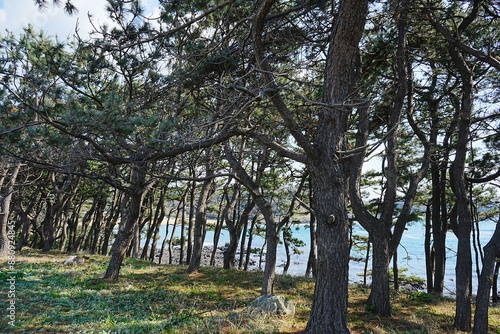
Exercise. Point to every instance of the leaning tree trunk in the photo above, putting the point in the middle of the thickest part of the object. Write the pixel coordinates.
(7, 244)
(491, 253)
(124, 237)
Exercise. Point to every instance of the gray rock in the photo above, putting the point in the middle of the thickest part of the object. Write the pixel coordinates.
(268, 305)
(75, 260)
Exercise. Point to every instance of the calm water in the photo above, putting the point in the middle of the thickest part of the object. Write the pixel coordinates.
(410, 253)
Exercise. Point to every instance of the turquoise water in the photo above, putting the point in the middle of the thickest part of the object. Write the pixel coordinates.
(410, 253)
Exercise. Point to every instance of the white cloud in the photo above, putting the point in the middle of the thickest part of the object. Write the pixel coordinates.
(3, 16)
(53, 20)
(17, 14)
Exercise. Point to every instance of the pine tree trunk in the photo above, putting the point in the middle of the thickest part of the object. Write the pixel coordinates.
(429, 251)
(124, 237)
(329, 309)
(463, 269)
(491, 253)
(494, 289)
(379, 299)
(6, 232)
(200, 220)
(312, 259)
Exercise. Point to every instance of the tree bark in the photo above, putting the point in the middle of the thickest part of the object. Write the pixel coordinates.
(326, 168)
(200, 219)
(7, 244)
(463, 269)
(311, 268)
(134, 199)
(491, 253)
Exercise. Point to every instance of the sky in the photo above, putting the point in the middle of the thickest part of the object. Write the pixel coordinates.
(17, 14)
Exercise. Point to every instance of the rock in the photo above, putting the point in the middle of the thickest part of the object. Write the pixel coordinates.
(74, 260)
(267, 306)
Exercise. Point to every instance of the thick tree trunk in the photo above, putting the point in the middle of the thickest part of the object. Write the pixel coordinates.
(123, 239)
(491, 253)
(328, 175)
(329, 309)
(326, 167)
(379, 299)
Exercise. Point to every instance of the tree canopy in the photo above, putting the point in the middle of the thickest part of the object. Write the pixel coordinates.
(257, 112)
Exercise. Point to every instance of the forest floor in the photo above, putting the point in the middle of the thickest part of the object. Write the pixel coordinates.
(152, 298)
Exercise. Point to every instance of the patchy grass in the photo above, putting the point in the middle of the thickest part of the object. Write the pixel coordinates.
(148, 298)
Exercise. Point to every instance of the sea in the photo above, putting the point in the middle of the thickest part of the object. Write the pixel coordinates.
(411, 254)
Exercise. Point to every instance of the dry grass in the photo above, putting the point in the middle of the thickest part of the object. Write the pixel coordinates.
(51, 298)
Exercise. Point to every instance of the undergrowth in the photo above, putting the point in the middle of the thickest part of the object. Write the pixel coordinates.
(149, 298)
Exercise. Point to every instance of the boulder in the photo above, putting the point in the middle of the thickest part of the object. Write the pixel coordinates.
(269, 305)
(75, 260)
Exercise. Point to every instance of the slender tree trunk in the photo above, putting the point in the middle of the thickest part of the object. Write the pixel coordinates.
(312, 259)
(439, 228)
(272, 245)
(367, 259)
(395, 270)
(158, 220)
(165, 238)
(286, 243)
(429, 251)
(491, 253)
(200, 218)
(190, 223)
(243, 243)
(231, 224)
(170, 240)
(494, 289)
(249, 244)
(463, 269)
(7, 244)
(111, 220)
(217, 230)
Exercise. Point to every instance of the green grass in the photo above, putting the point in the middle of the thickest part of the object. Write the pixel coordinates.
(148, 298)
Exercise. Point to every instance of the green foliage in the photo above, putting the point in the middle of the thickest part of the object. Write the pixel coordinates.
(420, 297)
(5, 276)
